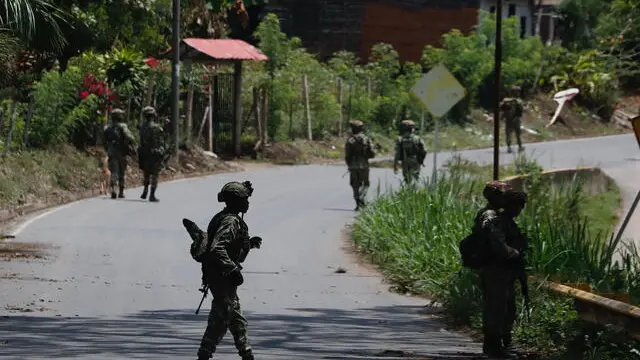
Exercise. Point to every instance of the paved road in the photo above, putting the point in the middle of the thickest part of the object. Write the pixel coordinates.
(120, 283)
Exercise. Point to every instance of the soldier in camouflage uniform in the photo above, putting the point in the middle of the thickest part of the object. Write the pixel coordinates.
(506, 246)
(118, 143)
(151, 152)
(512, 109)
(357, 152)
(410, 151)
(228, 235)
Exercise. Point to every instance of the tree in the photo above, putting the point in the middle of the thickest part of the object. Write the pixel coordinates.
(37, 23)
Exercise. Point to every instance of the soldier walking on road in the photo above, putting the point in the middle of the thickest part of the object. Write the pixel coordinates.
(151, 153)
(228, 245)
(118, 143)
(513, 109)
(505, 265)
(410, 151)
(357, 152)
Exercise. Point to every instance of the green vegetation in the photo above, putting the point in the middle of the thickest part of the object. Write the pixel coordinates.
(419, 254)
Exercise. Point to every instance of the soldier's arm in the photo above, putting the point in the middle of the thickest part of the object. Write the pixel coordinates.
(224, 236)
(347, 153)
(371, 152)
(496, 237)
(398, 151)
(421, 147)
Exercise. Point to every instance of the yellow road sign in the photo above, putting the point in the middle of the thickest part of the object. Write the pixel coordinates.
(439, 91)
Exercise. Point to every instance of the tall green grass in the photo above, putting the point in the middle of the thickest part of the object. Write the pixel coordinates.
(413, 234)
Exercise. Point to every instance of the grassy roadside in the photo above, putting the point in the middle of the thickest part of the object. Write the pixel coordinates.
(57, 175)
(477, 133)
(419, 254)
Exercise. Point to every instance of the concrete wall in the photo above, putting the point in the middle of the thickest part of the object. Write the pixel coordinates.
(595, 181)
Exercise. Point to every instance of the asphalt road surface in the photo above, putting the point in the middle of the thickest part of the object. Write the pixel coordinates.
(119, 282)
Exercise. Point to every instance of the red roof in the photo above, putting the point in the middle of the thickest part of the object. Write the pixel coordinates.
(221, 49)
(151, 61)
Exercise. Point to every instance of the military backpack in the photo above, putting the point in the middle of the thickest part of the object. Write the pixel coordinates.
(360, 148)
(200, 244)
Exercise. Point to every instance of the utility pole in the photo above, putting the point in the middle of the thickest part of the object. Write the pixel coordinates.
(496, 110)
(175, 76)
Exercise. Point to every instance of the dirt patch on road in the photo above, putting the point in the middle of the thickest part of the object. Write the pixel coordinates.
(10, 250)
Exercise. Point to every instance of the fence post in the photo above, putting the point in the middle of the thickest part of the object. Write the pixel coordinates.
(210, 120)
(341, 118)
(265, 116)
(27, 122)
(256, 108)
(291, 105)
(307, 110)
(7, 142)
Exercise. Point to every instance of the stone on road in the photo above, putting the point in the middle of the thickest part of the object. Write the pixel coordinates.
(120, 284)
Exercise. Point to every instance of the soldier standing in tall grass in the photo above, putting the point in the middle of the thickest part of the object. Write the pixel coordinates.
(498, 275)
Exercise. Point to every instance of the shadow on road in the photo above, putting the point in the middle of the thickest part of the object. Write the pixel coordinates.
(389, 332)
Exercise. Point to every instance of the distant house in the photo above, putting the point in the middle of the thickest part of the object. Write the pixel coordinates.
(327, 26)
(536, 17)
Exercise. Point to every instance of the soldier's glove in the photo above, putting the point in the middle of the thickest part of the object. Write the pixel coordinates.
(255, 242)
(236, 278)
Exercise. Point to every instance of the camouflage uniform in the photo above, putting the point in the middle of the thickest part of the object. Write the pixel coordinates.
(357, 152)
(507, 245)
(229, 236)
(118, 143)
(151, 152)
(410, 151)
(513, 108)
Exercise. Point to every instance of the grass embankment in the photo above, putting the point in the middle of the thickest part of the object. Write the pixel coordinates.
(57, 176)
(419, 254)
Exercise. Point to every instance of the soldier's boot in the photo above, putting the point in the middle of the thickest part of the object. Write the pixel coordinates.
(494, 351)
(121, 192)
(113, 190)
(247, 355)
(153, 197)
(144, 192)
(507, 342)
(520, 148)
(509, 149)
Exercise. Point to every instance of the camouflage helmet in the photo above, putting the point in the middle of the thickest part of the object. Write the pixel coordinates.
(117, 114)
(149, 111)
(494, 192)
(357, 124)
(407, 125)
(235, 190)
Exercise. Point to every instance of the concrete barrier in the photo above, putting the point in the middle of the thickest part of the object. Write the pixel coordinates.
(592, 179)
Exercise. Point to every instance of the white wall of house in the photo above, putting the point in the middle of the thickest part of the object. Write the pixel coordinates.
(518, 8)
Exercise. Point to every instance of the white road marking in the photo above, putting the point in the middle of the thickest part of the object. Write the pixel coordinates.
(30, 221)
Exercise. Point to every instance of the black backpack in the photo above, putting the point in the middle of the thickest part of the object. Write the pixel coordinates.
(474, 251)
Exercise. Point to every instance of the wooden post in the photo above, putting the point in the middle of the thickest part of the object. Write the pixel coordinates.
(7, 142)
(341, 118)
(27, 122)
(307, 110)
(265, 116)
(256, 109)
(210, 119)
(188, 126)
(349, 103)
(291, 105)
(237, 100)
(203, 122)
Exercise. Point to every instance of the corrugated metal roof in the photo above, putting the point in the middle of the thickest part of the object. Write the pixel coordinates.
(226, 49)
